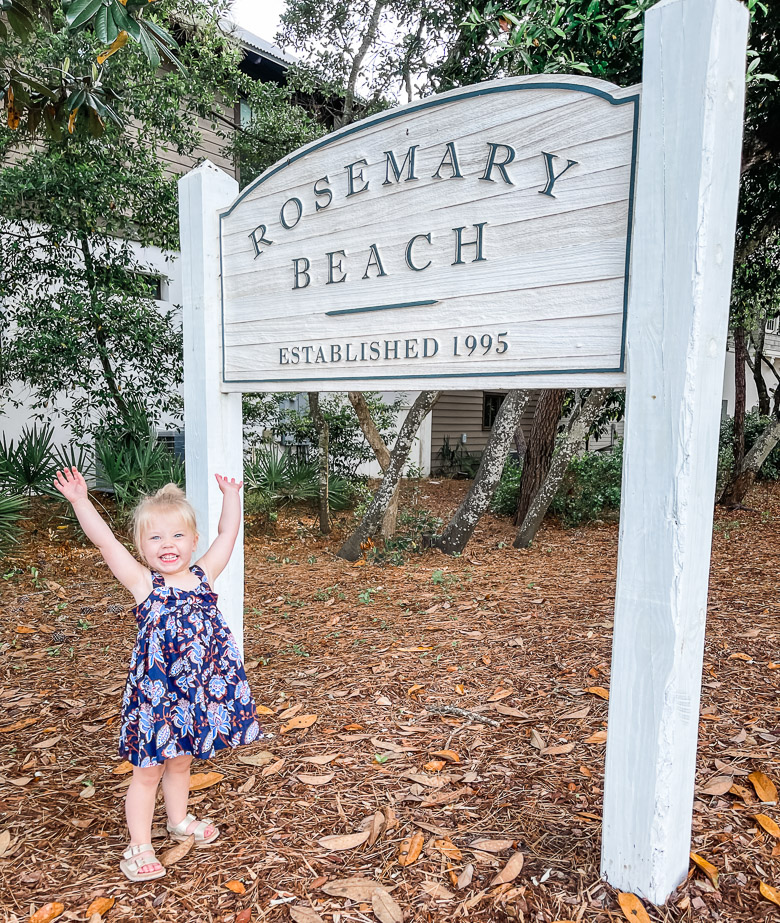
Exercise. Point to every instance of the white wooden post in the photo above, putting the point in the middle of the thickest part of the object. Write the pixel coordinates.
(212, 419)
(686, 202)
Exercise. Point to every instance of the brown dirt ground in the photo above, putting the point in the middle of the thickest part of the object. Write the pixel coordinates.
(517, 637)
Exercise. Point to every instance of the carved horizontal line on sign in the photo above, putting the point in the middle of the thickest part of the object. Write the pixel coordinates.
(417, 375)
(382, 307)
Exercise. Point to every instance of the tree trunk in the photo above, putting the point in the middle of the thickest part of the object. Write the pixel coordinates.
(582, 420)
(742, 478)
(541, 444)
(756, 366)
(461, 527)
(740, 360)
(377, 443)
(357, 61)
(352, 547)
(322, 430)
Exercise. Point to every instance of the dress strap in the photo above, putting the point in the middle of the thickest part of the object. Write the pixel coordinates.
(199, 572)
(157, 580)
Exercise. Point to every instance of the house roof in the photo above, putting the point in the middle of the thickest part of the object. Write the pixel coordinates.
(260, 46)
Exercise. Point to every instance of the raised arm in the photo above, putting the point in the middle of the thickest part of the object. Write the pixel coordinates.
(129, 572)
(214, 561)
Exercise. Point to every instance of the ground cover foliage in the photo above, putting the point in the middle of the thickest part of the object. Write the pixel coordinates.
(357, 670)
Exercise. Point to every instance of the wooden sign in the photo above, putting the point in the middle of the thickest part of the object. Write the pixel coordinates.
(480, 238)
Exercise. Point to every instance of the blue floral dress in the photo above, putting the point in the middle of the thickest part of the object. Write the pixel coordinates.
(186, 691)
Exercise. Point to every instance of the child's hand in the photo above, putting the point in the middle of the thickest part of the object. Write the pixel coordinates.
(70, 483)
(226, 485)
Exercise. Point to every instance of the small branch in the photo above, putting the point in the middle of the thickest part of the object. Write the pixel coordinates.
(461, 713)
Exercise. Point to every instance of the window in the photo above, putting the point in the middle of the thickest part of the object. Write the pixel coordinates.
(490, 405)
(174, 442)
(771, 325)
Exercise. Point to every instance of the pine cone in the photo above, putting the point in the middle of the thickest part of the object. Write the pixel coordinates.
(87, 610)
(23, 599)
(57, 638)
(116, 608)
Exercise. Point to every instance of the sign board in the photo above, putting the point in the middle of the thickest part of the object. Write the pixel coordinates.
(480, 238)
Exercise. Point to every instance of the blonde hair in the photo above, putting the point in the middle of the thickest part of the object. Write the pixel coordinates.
(168, 499)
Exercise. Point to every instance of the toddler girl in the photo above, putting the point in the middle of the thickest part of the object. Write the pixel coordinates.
(186, 693)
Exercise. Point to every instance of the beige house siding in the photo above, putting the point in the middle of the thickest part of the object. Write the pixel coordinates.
(458, 412)
(209, 148)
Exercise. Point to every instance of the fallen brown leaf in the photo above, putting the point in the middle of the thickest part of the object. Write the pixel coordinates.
(47, 913)
(769, 825)
(385, 908)
(339, 842)
(600, 691)
(299, 722)
(201, 780)
(632, 908)
(315, 780)
(707, 867)
(437, 891)
(124, 767)
(301, 914)
(354, 888)
(770, 893)
(179, 851)
(101, 905)
(764, 786)
(257, 759)
(409, 850)
(237, 887)
(447, 848)
(720, 785)
(510, 871)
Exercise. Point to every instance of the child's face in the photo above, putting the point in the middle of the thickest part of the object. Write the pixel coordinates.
(168, 543)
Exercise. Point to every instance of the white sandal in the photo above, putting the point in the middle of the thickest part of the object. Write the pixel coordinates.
(131, 863)
(179, 831)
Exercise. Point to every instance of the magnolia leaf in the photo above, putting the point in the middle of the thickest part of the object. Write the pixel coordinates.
(385, 908)
(17, 725)
(200, 780)
(320, 760)
(237, 887)
(299, 722)
(447, 848)
(244, 916)
(598, 737)
(464, 879)
(509, 711)
(707, 867)
(410, 849)
(348, 841)
(501, 693)
(376, 825)
(558, 750)
(300, 914)
(354, 888)
(492, 845)
(537, 740)
(719, 785)
(290, 712)
(48, 743)
(769, 825)
(5, 842)
(273, 768)
(765, 788)
(600, 691)
(262, 758)
(264, 710)
(87, 792)
(47, 913)
(770, 893)
(100, 906)
(450, 755)
(315, 780)
(434, 765)
(122, 768)
(632, 908)
(177, 852)
(510, 871)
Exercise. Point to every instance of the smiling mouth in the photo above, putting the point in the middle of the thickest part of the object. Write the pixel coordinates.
(168, 558)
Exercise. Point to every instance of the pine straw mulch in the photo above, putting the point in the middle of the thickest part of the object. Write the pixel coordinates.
(514, 637)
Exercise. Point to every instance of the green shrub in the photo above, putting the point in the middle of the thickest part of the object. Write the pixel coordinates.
(10, 509)
(28, 467)
(457, 461)
(415, 527)
(508, 491)
(755, 424)
(590, 488)
(136, 465)
(275, 477)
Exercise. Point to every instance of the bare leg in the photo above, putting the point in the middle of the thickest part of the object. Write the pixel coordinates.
(176, 790)
(139, 808)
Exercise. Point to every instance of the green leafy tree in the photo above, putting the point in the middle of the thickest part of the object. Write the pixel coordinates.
(80, 326)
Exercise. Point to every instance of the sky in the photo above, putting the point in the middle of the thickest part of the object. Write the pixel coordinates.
(259, 16)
